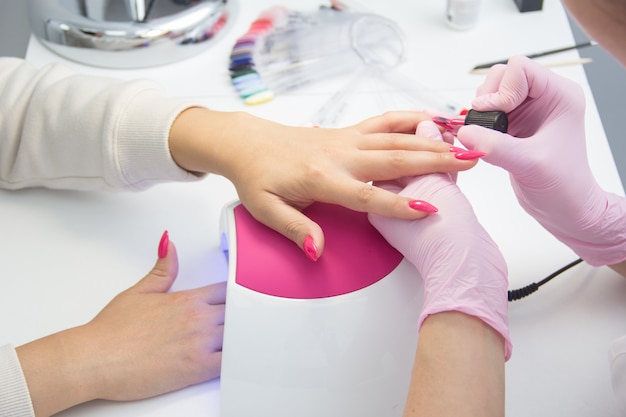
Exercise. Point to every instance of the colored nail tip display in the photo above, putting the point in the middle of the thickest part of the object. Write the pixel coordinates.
(234, 68)
(241, 59)
(246, 41)
(261, 25)
(423, 206)
(244, 94)
(259, 98)
(241, 50)
(246, 80)
(242, 72)
(250, 84)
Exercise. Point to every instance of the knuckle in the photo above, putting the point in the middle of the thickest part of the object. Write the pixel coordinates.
(393, 141)
(365, 194)
(293, 228)
(397, 158)
(391, 116)
(181, 297)
(315, 173)
(317, 178)
(442, 161)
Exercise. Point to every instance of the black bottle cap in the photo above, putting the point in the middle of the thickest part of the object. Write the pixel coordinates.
(496, 120)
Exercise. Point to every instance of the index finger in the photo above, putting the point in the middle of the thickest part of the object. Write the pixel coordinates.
(392, 122)
(214, 294)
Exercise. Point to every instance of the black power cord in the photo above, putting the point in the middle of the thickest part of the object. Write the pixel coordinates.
(531, 288)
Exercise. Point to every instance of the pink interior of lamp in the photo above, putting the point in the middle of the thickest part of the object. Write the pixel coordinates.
(355, 256)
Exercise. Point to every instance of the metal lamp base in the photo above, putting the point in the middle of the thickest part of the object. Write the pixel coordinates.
(129, 33)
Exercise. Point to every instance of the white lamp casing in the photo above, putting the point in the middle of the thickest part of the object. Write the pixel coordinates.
(335, 337)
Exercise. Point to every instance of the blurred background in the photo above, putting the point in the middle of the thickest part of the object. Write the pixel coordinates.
(607, 78)
(14, 28)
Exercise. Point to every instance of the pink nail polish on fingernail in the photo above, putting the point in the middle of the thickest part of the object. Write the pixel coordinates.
(310, 249)
(423, 206)
(457, 149)
(468, 155)
(164, 244)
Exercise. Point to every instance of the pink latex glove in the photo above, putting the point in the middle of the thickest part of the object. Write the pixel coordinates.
(544, 152)
(462, 268)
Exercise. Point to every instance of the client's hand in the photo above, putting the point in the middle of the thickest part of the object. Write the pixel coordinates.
(279, 170)
(145, 342)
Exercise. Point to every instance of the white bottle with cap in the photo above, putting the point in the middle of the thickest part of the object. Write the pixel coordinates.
(462, 14)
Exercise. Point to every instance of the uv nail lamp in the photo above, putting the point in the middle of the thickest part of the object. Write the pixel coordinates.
(332, 338)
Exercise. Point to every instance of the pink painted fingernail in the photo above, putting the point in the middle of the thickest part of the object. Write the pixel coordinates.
(423, 206)
(468, 155)
(163, 245)
(310, 248)
(457, 149)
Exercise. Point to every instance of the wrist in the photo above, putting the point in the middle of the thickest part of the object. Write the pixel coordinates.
(602, 242)
(59, 371)
(586, 218)
(206, 141)
(139, 150)
(474, 283)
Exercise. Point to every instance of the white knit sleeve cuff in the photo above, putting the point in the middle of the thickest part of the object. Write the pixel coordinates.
(14, 396)
(142, 147)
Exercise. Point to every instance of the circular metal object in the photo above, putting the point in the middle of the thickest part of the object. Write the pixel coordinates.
(129, 33)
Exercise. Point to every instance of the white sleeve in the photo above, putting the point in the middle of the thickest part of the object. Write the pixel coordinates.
(14, 396)
(59, 129)
(617, 362)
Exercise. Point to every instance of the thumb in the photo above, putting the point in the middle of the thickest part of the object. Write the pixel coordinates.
(429, 129)
(164, 272)
(509, 86)
(500, 149)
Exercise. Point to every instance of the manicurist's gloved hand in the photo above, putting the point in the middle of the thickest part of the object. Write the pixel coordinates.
(462, 267)
(545, 153)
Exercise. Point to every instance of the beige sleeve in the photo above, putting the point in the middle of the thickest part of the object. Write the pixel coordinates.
(14, 396)
(59, 129)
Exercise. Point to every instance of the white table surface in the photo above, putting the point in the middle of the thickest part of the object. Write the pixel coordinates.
(64, 255)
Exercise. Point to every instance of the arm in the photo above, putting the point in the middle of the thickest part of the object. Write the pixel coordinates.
(545, 154)
(463, 337)
(619, 268)
(603, 20)
(452, 381)
(59, 129)
(64, 130)
(145, 342)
